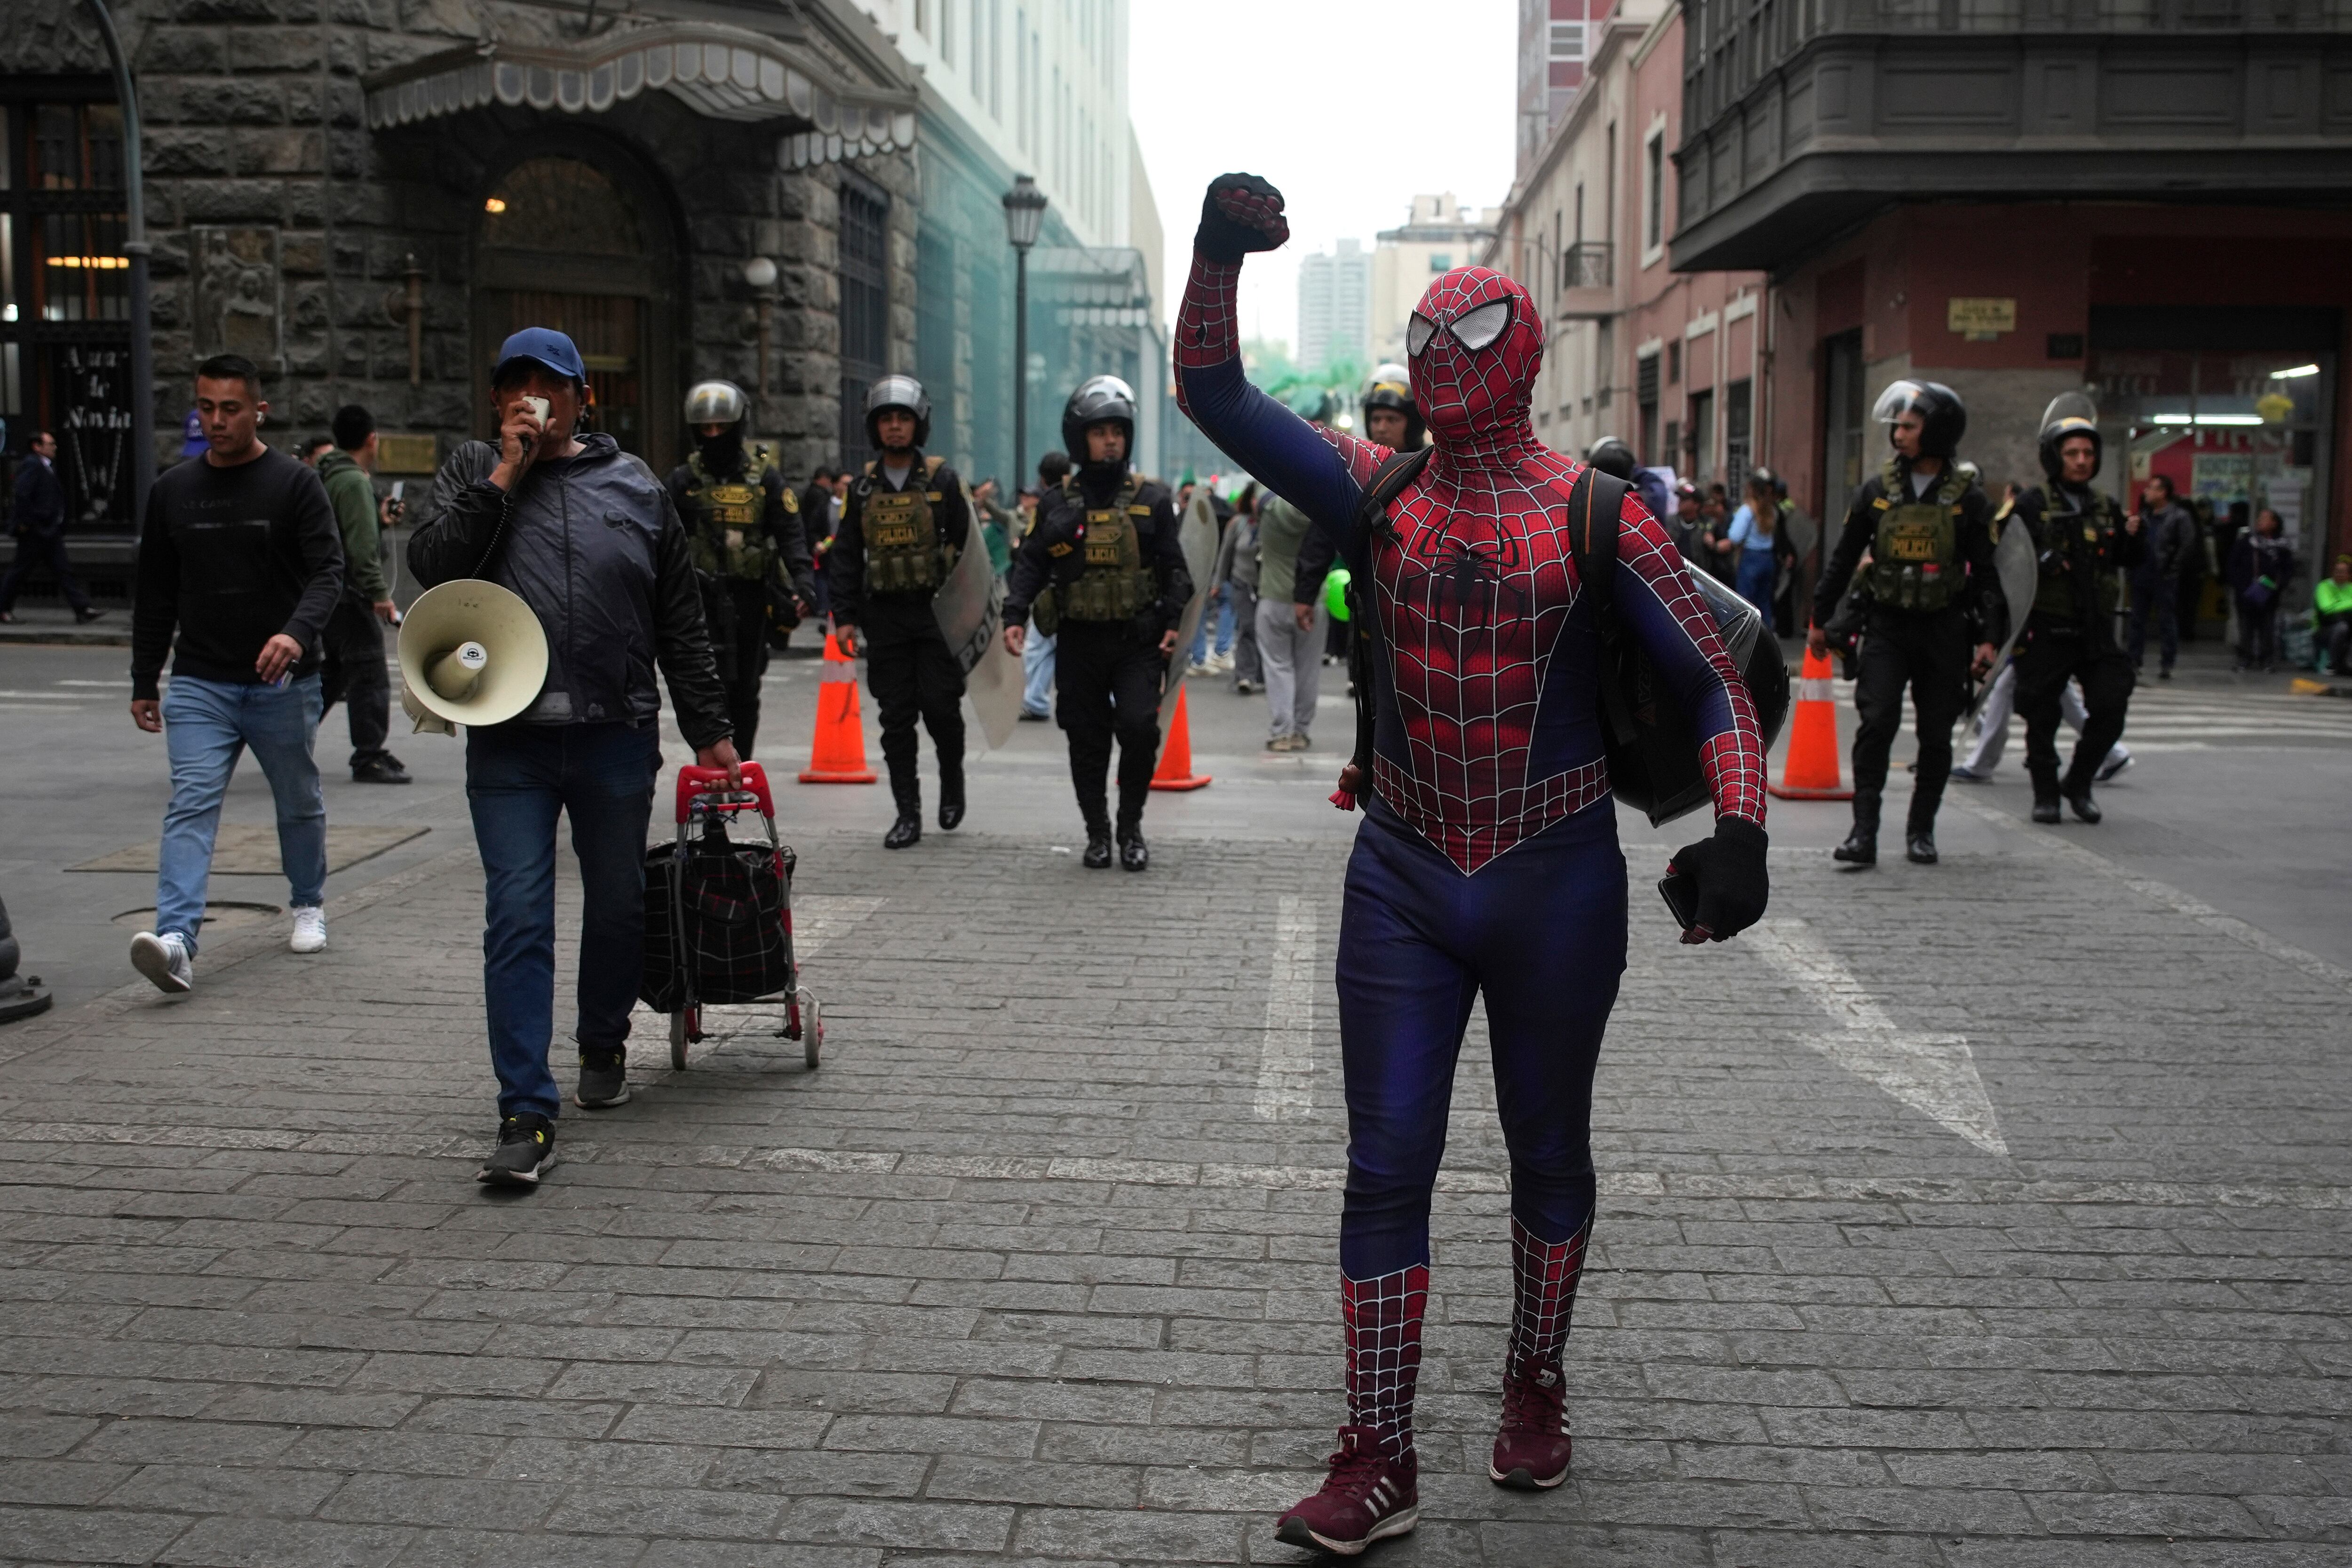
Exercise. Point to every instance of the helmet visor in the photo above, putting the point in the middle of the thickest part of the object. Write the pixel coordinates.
(2070, 405)
(1895, 402)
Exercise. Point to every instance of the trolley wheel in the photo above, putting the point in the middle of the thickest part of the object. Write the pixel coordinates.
(812, 1028)
(680, 1032)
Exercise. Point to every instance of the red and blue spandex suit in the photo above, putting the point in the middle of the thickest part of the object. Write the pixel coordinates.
(1488, 862)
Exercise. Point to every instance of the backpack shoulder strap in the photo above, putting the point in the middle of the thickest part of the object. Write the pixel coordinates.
(1387, 482)
(1595, 503)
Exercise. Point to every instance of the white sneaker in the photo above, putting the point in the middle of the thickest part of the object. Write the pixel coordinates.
(309, 929)
(163, 960)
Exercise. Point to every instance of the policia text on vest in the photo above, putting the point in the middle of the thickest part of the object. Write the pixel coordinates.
(1931, 595)
(743, 531)
(1102, 569)
(899, 536)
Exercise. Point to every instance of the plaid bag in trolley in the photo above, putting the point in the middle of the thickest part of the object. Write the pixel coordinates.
(719, 915)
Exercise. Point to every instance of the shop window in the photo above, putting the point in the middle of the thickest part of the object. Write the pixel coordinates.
(1844, 403)
(1701, 438)
(1738, 409)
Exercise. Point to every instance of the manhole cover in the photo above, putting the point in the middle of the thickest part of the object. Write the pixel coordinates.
(217, 917)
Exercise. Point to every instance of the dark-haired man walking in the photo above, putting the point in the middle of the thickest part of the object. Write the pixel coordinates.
(239, 553)
(355, 668)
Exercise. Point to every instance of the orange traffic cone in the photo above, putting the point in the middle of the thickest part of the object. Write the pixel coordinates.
(837, 755)
(1811, 770)
(1176, 757)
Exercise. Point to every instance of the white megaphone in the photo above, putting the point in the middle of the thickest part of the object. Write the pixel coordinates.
(470, 653)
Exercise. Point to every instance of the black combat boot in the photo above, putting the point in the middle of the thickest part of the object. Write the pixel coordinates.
(1134, 855)
(909, 829)
(1860, 848)
(1919, 846)
(2078, 797)
(951, 795)
(2045, 794)
(1097, 855)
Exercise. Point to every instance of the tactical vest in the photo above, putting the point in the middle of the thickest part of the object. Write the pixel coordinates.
(2074, 544)
(1113, 584)
(725, 527)
(904, 552)
(1915, 558)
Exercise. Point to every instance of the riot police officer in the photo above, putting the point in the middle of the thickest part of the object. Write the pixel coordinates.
(1102, 570)
(743, 531)
(2082, 541)
(902, 527)
(1391, 418)
(1931, 591)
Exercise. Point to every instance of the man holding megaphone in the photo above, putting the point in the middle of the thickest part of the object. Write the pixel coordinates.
(586, 537)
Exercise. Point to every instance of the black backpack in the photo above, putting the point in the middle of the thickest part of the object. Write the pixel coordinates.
(1651, 747)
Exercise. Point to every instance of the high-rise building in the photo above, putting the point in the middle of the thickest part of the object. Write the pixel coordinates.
(1334, 306)
(1556, 42)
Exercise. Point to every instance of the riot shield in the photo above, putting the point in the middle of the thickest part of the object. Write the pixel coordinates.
(1196, 534)
(969, 609)
(2014, 563)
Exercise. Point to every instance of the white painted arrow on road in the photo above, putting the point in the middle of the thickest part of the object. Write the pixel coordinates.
(1934, 1074)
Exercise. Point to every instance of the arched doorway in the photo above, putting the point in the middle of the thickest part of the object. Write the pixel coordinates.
(583, 247)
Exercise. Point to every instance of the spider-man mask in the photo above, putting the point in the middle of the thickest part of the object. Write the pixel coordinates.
(1475, 344)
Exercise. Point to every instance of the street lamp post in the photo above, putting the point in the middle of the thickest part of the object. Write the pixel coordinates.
(1024, 214)
(135, 248)
(759, 272)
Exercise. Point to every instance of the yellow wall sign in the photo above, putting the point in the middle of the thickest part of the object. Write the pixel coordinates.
(1979, 320)
(404, 454)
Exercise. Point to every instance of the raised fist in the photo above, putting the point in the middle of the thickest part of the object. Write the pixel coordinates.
(1240, 214)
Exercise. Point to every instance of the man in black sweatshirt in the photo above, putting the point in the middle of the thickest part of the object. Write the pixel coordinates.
(240, 553)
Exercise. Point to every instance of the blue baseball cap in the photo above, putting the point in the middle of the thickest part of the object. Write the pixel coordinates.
(542, 346)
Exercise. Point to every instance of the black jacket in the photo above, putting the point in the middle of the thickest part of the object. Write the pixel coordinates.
(232, 557)
(40, 500)
(844, 563)
(594, 546)
(1980, 596)
(1035, 564)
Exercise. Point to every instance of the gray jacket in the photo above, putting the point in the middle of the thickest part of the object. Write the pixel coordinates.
(593, 545)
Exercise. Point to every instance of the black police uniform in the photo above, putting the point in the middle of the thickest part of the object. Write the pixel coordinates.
(892, 551)
(1104, 555)
(1931, 595)
(743, 531)
(2081, 543)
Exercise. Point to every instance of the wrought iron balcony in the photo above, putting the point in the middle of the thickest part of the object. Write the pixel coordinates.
(1803, 116)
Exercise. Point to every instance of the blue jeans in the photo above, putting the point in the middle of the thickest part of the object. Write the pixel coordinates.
(518, 777)
(207, 724)
(1218, 613)
(1037, 670)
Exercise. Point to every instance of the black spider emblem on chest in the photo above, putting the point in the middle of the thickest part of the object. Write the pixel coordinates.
(1470, 577)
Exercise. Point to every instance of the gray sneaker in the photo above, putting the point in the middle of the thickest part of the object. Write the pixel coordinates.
(526, 1148)
(164, 960)
(604, 1080)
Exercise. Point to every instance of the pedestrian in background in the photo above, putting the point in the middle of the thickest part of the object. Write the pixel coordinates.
(1755, 535)
(615, 598)
(239, 554)
(355, 672)
(820, 510)
(1037, 649)
(999, 528)
(2169, 533)
(1240, 550)
(39, 525)
(315, 448)
(1291, 625)
(2261, 564)
(2331, 618)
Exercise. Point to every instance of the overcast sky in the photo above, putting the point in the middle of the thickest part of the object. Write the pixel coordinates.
(1349, 108)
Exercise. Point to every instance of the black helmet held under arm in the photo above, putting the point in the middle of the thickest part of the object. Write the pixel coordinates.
(1612, 456)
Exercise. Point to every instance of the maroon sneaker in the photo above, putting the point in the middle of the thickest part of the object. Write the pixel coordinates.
(1532, 1447)
(1366, 1498)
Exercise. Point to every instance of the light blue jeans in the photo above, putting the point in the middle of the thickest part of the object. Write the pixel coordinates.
(207, 724)
(1037, 671)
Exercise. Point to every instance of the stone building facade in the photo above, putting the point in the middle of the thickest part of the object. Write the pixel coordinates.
(314, 166)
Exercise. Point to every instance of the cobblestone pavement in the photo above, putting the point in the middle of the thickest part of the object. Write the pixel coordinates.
(1989, 1214)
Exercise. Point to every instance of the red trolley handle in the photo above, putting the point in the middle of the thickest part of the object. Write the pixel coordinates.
(694, 781)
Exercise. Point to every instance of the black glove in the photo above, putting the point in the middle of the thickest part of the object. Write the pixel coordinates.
(1241, 213)
(1733, 885)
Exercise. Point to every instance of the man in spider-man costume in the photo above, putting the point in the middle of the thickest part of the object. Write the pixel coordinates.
(1487, 862)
